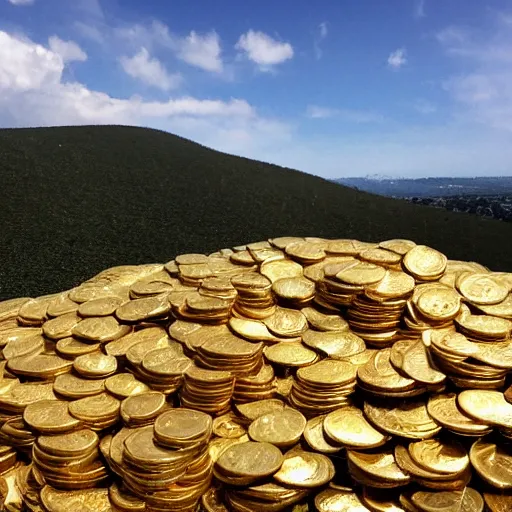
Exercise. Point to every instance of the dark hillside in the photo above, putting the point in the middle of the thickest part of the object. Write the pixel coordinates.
(74, 201)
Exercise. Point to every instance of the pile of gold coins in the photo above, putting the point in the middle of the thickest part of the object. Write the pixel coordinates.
(294, 374)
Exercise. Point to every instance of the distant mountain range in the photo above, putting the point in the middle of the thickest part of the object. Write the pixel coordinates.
(431, 187)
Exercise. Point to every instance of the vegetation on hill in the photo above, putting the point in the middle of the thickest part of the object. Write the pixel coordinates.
(75, 200)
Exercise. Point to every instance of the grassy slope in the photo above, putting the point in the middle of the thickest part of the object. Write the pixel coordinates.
(74, 201)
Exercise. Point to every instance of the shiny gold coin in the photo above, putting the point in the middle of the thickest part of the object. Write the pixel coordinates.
(328, 372)
(281, 269)
(467, 500)
(250, 459)
(100, 329)
(417, 365)
(94, 407)
(141, 407)
(88, 500)
(381, 465)
(70, 444)
(443, 409)
(410, 420)
(498, 502)
(253, 410)
(95, 365)
(316, 438)
(305, 469)
(306, 252)
(440, 457)
(104, 306)
(142, 309)
(324, 322)
(290, 354)
(60, 326)
(71, 347)
(286, 322)
(39, 365)
(24, 346)
(228, 426)
(49, 417)
(332, 500)
(335, 344)
(362, 274)
(439, 303)
(294, 288)
(493, 463)
(381, 256)
(251, 329)
(379, 501)
(10, 308)
(503, 309)
(283, 428)
(124, 500)
(486, 406)
(424, 262)
(72, 386)
(394, 284)
(348, 426)
(123, 385)
(398, 245)
(121, 346)
(180, 427)
(483, 288)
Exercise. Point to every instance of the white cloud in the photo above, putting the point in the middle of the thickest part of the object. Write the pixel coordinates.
(323, 31)
(150, 71)
(202, 51)
(484, 92)
(34, 93)
(263, 49)
(419, 8)
(344, 114)
(397, 59)
(21, 2)
(68, 50)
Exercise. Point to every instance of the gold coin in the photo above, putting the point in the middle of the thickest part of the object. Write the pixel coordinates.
(121, 346)
(294, 288)
(467, 500)
(124, 500)
(443, 409)
(410, 420)
(282, 428)
(87, 500)
(281, 269)
(424, 262)
(362, 274)
(49, 416)
(394, 284)
(179, 427)
(251, 329)
(143, 406)
(251, 459)
(483, 288)
(71, 347)
(324, 322)
(417, 365)
(306, 252)
(398, 245)
(61, 326)
(440, 457)
(286, 322)
(335, 344)
(94, 407)
(95, 365)
(100, 329)
(168, 361)
(104, 306)
(498, 502)
(332, 500)
(484, 325)
(123, 385)
(253, 410)
(9, 308)
(379, 501)
(70, 444)
(439, 303)
(316, 439)
(228, 426)
(328, 372)
(72, 386)
(39, 365)
(305, 469)
(290, 354)
(349, 427)
(503, 309)
(486, 406)
(24, 346)
(493, 463)
(142, 309)
(381, 465)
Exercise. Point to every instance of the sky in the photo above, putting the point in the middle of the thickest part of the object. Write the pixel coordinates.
(335, 88)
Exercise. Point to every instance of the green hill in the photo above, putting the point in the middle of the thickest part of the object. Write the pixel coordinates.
(76, 200)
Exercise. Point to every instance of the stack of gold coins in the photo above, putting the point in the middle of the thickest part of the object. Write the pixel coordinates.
(294, 375)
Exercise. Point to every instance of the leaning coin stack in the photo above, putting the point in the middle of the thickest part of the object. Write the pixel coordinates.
(294, 374)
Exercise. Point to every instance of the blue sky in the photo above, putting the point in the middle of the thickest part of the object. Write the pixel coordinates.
(334, 88)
